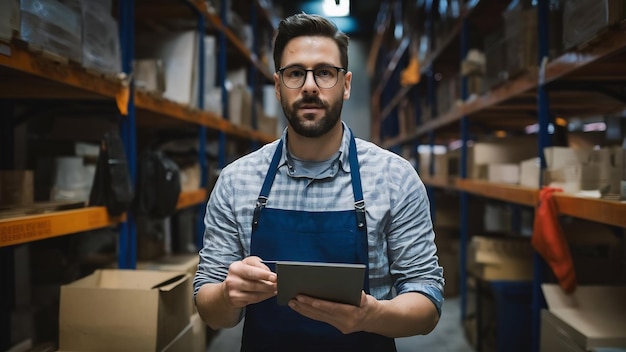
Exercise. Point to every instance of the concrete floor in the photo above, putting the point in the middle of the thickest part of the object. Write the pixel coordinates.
(448, 336)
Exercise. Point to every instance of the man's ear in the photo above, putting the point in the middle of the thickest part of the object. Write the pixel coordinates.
(347, 85)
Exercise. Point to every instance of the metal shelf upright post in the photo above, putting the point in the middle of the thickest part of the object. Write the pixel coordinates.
(127, 256)
(464, 220)
(543, 109)
(201, 129)
(221, 77)
(254, 72)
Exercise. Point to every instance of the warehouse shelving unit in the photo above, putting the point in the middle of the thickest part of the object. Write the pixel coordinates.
(29, 73)
(580, 80)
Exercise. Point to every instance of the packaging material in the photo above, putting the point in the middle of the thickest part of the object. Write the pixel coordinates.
(579, 169)
(178, 52)
(16, 188)
(101, 41)
(73, 180)
(176, 262)
(520, 35)
(240, 106)
(52, 26)
(9, 18)
(149, 75)
(583, 19)
(499, 258)
(124, 310)
(503, 173)
(499, 151)
(495, 59)
(591, 318)
(529, 173)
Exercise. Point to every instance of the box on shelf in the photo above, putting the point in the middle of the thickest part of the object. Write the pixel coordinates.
(529, 173)
(149, 75)
(53, 27)
(16, 188)
(123, 310)
(503, 173)
(520, 35)
(499, 151)
(579, 169)
(9, 18)
(179, 53)
(590, 318)
(583, 19)
(491, 258)
(101, 41)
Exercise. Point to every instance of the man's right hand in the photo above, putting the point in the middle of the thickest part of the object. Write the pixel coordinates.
(248, 281)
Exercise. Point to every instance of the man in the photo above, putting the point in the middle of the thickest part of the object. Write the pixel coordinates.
(318, 194)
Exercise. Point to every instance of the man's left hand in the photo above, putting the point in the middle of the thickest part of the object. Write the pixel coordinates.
(345, 317)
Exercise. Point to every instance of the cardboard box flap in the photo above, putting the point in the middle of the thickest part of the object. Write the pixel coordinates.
(138, 279)
(596, 312)
(171, 282)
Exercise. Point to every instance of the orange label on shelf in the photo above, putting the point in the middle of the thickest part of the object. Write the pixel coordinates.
(25, 231)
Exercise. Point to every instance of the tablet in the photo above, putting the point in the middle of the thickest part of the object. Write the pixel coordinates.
(337, 282)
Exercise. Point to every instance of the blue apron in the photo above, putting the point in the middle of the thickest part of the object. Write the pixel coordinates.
(338, 236)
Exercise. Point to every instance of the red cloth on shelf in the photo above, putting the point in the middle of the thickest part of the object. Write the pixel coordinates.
(549, 241)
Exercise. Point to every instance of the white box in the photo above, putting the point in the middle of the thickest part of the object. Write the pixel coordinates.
(591, 317)
(503, 173)
(529, 173)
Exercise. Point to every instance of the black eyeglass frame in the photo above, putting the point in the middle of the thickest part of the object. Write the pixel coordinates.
(281, 70)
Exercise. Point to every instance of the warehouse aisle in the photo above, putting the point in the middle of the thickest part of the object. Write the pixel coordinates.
(447, 337)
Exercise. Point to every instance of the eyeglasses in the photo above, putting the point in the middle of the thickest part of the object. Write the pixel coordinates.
(325, 77)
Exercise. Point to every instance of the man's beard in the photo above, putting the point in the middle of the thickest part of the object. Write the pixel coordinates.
(318, 128)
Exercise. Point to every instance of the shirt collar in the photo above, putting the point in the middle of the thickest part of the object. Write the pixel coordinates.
(344, 163)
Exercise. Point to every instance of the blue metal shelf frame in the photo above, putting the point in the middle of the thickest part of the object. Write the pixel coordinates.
(221, 77)
(202, 131)
(7, 255)
(127, 258)
(254, 72)
(543, 106)
(464, 201)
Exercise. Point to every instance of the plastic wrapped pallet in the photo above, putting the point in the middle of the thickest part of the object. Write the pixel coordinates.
(101, 44)
(52, 26)
(583, 19)
(9, 18)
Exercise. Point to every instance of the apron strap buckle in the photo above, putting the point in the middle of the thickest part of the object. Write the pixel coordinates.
(260, 204)
(359, 206)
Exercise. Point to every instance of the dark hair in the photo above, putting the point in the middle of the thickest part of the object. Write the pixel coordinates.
(302, 24)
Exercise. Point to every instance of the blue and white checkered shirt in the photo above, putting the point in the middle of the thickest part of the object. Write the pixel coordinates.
(402, 254)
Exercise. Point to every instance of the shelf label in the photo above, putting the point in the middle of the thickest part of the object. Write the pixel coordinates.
(25, 231)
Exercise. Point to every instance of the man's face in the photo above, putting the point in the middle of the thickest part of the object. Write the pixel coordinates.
(312, 111)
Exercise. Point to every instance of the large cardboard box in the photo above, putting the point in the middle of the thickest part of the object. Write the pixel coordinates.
(124, 310)
(493, 258)
(591, 317)
(176, 262)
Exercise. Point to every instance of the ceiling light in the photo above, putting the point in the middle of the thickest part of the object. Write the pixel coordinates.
(336, 8)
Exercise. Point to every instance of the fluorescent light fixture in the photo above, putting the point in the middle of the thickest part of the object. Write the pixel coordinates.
(333, 8)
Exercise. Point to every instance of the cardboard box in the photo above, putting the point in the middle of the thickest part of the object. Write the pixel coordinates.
(9, 18)
(491, 258)
(529, 173)
(16, 188)
(503, 173)
(178, 262)
(124, 310)
(591, 317)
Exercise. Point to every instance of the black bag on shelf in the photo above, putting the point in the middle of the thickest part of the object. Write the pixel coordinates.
(158, 185)
(112, 186)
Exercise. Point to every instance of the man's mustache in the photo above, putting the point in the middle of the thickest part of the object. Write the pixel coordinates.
(309, 100)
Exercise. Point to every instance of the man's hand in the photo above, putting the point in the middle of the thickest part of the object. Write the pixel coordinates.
(407, 314)
(248, 281)
(345, 317)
